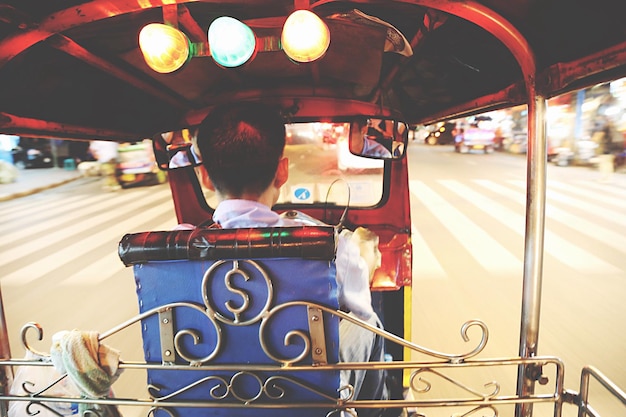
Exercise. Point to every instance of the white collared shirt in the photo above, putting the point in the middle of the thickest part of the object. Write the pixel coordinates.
(352, 272)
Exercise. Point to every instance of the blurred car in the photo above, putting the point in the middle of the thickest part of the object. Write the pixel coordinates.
(475, 138)
(137, 165)
(442, 135)
(32, 153)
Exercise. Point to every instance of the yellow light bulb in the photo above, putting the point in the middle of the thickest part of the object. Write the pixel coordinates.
(164, 48)
(305, 36)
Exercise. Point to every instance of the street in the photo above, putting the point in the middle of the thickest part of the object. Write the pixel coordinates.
(468, 245)
(59, 258)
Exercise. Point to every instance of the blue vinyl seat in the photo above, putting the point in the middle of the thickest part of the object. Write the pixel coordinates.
(231, 317)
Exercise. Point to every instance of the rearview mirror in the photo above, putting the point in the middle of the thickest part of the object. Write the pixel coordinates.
(175, 150)
(378, 138)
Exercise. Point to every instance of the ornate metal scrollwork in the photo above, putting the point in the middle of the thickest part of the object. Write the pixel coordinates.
(153, 411)
(182, 334)
(39, 392)
(237, 312)
(34, 326)
(290, 337)
(479, 408)
(32, 404)
(221, 384)
(452, 357)
(415, 377)
(272, 388)
(271, 383)
(337, 412)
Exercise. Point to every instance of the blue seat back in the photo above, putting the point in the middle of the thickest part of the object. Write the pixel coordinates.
(232, 328)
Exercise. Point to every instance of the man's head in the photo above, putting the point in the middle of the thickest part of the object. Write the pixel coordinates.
(358, 130)
(242, 146)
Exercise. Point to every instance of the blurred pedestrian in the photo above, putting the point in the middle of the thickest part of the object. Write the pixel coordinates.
(606, 149)
(106, 153)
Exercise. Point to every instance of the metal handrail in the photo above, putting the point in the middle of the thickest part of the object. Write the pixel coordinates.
(420, 384)
(584, 409)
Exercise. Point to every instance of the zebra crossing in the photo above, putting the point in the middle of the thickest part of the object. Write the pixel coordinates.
(76, 238)
(584, 226)
(478, 223)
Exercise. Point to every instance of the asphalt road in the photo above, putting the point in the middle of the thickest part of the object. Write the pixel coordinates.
(468, 227)
(59, 259)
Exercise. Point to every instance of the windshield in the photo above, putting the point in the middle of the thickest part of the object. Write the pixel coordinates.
(322, 169)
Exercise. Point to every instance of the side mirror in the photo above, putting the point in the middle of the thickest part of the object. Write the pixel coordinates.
(378, 138)
(174, 150)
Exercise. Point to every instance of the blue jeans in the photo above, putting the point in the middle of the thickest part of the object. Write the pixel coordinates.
(357, 344)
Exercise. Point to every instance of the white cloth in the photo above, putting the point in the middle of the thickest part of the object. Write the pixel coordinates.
(92, 366)
(352, 274)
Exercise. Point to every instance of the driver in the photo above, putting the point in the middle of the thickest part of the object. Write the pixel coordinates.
(365, 144)
(242, 145)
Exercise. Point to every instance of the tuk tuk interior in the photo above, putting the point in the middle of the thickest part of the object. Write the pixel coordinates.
(75, 70)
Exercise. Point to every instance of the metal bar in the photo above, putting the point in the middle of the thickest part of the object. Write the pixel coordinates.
(195, 32)
(534, 242)
(318, 337)
(476, 363)
(166, 335)
(479, 401)
(284, 405)
(597, 67)
(584, 409)
(26, 126)
(6, 372)
(170, 14)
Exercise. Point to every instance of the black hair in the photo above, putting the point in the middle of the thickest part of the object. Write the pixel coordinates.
(241, 144)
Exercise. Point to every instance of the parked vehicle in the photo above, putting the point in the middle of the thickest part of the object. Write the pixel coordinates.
(137, 165)
(33, 153)
(80, 70)
(474, 139)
